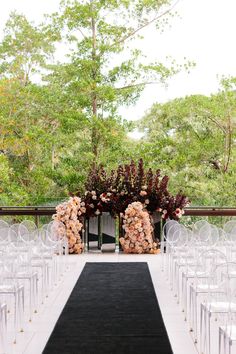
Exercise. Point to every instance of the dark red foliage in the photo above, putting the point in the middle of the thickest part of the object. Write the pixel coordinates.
(115, 191)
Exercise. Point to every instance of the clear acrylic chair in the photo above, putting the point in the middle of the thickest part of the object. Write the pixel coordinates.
(30, 225)
(40, 262)
(23, 271)
(218, 303)
(4, 228)
(171, 240)
(180, 256)
(231, 244)
(188, 272)
(202, 283)
(57, 236)
(229, 226)
(11, 286)
(198, 225)
(3, 327)
(227, 333)
(165, 229)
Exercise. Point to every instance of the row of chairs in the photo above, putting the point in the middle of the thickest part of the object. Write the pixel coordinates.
(31, 264)
(200, 264)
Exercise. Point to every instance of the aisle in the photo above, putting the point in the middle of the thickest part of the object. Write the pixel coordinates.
(33, 340)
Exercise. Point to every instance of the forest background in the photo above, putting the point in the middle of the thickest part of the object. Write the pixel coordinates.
(58, 117)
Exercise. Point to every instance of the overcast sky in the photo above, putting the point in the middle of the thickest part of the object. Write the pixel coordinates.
(204, 32)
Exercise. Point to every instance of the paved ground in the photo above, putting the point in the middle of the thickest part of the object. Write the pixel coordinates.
(36, 333)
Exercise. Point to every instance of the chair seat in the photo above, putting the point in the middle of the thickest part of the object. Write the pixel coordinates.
(230, 331)
(8, 288)
(22, 275)
(192, 274)
(220, 306)
(211, 288)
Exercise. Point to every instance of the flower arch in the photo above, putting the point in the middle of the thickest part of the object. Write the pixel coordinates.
(130, 190)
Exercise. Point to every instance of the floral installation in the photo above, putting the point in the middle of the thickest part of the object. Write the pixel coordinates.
(69, 214)
(130, 183)
(138, 230)
(114, 192)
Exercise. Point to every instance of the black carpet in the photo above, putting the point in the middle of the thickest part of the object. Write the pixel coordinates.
(112, 310)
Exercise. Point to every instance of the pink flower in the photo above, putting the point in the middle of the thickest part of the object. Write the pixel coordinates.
(138, 232)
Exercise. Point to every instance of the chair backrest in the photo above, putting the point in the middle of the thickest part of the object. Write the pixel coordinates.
(15, 227)
(23, 233)
(56, 230)
(180, 237)
(171, 231)
(204, 234)
(224, 276)
(12, 235)
(214, 235)
(3, 224)
(167, 226)
(30, 225)
(229, 226)
(198, 225)
(4, 233)
(44, 227)
(232, 234)
(211, 258)
(222, 235)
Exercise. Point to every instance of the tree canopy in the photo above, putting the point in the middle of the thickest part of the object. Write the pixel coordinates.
(60, 115)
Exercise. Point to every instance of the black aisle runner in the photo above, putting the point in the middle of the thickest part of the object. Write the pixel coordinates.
(112, 310)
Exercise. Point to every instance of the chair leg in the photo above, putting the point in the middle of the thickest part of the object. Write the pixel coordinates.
(202, 323)
(191, 308)
(30, 297)
(208, 332)
(195, 316)
(2, 328)
(183, 295)
(21, 307)
(35, 292)
(220, 339)
(230, 345)
(16, 315)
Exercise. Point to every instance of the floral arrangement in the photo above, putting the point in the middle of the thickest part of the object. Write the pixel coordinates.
(130, 190)
(130, 183)
(138, 230)
(69, 214)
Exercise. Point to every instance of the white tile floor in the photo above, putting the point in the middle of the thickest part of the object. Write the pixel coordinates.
(36, 333)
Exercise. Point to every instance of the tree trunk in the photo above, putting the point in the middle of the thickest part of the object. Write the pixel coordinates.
(94, 135)
(53, 157)
(228, 143)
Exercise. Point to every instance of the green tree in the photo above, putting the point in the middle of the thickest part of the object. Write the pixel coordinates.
(58, 119)
(193, 140)
(28, 118)
(103, 71)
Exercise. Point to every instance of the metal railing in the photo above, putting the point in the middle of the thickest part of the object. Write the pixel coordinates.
(37, 211)
(210, 211)
(189, 211)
